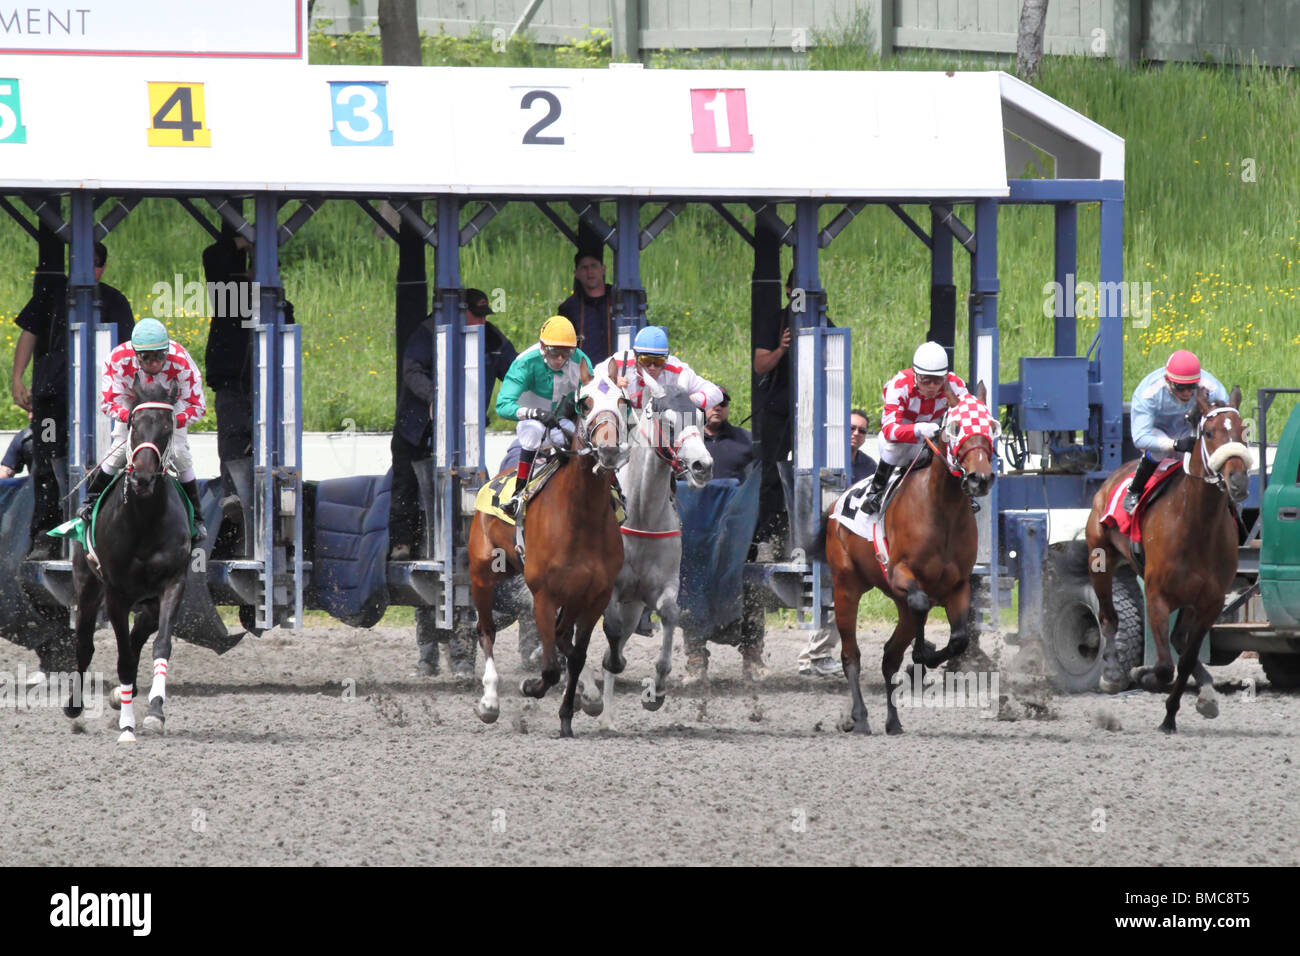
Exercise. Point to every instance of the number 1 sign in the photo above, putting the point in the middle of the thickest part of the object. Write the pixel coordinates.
(720, 122)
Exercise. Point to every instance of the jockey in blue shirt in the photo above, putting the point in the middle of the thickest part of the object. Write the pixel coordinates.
(1159, 413)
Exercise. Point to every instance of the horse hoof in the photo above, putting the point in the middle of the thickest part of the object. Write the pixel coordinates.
(115, 699)
(535, 683)
(1207, 707)
(126, 737)
(1169, 727)
(155, 724)
(654, 703)
(893, 729)
(487, 714)
(72, 712)
(1112, 686)
(566, 730)
(592, 708)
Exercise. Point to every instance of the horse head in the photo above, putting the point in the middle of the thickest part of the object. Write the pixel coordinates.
(670, 426)
(603, 407)
(152, 421)
(968, 434)
(1225, 459)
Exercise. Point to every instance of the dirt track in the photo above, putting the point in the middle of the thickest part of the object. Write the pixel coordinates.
(266, 762)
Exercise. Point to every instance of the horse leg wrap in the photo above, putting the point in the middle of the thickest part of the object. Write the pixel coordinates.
(159, 688)
(126, 719)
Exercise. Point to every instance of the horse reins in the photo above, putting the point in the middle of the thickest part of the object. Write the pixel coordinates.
(1212, 463)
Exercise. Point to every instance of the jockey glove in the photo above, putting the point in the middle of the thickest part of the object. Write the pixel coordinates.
(533, 413)
(1185, 444)
(926, 429)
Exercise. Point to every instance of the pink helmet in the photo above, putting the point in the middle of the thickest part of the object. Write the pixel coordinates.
(1183, 367)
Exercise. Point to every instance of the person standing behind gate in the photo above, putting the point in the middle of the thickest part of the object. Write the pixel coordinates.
(19, 453)
(228, 363)
(589, 306)
(862, 465)
(44, 321)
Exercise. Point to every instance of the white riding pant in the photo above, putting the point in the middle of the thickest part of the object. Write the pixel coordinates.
(533, 435)
(181, 458)
(897, 452)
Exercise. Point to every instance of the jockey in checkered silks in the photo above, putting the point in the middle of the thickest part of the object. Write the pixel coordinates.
(914, 408)
(540, 392)
(156, 358)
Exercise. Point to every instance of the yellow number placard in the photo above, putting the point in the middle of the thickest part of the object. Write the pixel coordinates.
(176, 115)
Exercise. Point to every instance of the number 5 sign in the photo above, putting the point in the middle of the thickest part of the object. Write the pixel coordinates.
(720, 122)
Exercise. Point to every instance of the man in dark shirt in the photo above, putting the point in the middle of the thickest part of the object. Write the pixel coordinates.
(412, 432)
(44, 321)
(19, 453)
(772, 398)
(228, 365)
(731, 447)
(589, 306)
(863, 465)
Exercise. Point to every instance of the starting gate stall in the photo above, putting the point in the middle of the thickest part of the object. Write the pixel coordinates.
(202, 129)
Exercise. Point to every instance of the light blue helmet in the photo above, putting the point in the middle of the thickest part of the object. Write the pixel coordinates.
(149, 335)
(652, 340)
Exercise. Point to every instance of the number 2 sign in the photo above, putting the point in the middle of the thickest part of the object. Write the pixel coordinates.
(720, 122)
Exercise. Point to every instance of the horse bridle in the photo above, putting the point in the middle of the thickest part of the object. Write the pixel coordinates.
(1213, 463)
(959, 457)
(587, 426)
(667, 451)
(133, 450)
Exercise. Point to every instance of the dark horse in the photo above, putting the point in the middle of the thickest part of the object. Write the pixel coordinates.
(932, 540)
(574, 553)
(142, 542)
(1189, 538)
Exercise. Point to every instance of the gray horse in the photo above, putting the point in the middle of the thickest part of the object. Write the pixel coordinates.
(666, 442)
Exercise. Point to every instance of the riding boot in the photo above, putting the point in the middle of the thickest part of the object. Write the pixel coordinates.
(93, 490)
(1144, 471)
(526, 457)
(871, 504)
(200, 529)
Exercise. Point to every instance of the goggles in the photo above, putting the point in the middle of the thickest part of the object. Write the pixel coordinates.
(929, 380)
(153, 355)
(557, 351)
(651, 361)
(1186, 388)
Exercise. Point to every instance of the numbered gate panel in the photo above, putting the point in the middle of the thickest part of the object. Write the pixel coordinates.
(214, 125)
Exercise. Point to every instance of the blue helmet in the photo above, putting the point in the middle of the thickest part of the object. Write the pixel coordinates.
(652, 340)
(149, 335)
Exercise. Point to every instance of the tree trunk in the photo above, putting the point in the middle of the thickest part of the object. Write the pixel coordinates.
(1029, 39)
(399, 33)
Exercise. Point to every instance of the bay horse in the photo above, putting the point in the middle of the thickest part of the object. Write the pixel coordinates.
(667, 443)
(1189, 538)
(932, 539)
(574, 552)
(142, 545)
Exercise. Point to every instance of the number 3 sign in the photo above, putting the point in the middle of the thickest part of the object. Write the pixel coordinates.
(719, 122)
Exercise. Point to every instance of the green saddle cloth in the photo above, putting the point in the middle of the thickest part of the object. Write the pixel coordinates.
(76, 528)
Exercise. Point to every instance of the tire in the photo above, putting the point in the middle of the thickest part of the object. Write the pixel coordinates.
(1072, 642)
(1282, 670)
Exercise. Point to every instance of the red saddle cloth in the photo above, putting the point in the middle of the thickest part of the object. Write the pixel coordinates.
(1131, 525)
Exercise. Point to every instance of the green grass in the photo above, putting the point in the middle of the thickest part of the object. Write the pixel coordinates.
(1221, 253)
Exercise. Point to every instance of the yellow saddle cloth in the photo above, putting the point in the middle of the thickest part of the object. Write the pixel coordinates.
(501, 489)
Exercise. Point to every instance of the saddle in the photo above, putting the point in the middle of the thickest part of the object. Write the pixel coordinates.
(1131, 525)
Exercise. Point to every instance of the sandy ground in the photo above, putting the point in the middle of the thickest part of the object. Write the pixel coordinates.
(323, 747)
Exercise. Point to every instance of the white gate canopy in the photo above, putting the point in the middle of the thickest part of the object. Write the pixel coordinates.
(189, 125)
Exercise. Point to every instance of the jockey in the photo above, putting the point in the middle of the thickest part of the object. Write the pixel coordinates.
(1159, 414)
(151, 353)
(649, 358)
(914, 408)
(540, 392)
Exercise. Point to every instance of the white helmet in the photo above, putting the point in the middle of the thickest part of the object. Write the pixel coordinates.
(930, 359)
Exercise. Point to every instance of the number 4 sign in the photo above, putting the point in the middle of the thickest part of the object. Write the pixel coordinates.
(720, 122)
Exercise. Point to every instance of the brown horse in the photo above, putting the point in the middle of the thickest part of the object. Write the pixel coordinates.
(574, 553)
(1189, 538)
(932, 540)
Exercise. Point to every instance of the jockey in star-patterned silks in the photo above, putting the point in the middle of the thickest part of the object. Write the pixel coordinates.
(156, 358)
(1159, 415)
(914, 408)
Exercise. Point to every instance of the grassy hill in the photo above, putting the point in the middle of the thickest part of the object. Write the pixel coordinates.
(1221, 253)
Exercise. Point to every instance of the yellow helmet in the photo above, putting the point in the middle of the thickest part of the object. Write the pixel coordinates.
(557, 330)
